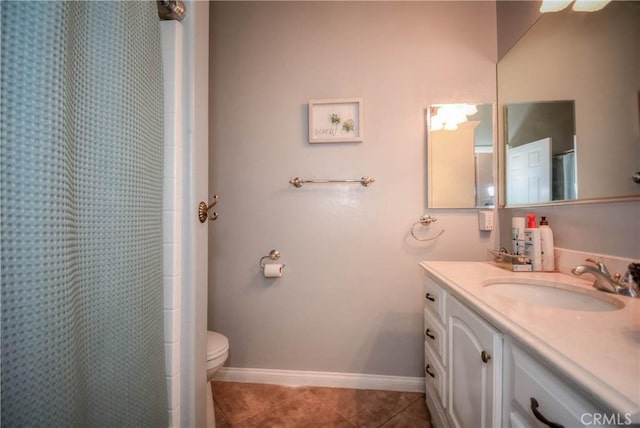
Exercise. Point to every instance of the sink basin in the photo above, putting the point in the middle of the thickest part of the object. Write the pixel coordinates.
(553, 294)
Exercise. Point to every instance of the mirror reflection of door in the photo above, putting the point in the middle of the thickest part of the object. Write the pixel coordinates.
(453, 167)
(460, 156)
(529, 172)
(540, 152)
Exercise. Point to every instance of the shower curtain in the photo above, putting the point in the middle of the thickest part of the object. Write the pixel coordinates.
(81, 213)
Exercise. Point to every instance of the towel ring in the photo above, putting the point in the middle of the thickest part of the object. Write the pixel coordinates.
(425, 220)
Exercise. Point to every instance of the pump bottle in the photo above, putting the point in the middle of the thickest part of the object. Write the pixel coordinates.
(546, 242)
(533, 244)
(517, 235)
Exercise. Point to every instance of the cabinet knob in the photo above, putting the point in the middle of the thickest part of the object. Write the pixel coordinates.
(429, 296)
(426, 369)
(429, 335)
(484, 355)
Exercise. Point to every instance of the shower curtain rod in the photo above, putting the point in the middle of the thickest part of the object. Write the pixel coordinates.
(171, 10)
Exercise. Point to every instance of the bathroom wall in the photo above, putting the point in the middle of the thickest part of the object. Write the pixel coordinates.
(351, 296)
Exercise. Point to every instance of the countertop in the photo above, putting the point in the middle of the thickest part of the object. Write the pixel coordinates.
(599, 352)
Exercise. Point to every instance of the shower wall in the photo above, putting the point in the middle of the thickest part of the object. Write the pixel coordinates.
(172, 47)
(185, 63)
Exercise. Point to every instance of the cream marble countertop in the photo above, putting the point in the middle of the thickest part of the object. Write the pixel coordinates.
(599, 352)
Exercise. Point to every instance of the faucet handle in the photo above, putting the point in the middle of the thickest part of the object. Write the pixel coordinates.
(629, 281)
(601, 266)
(634, 272)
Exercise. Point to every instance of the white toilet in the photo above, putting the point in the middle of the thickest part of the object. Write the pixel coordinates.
(217, 353)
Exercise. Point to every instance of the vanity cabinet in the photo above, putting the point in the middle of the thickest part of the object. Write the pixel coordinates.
(476, 376)
(463, 357)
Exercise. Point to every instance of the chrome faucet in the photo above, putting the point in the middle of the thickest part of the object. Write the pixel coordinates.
(616, 284)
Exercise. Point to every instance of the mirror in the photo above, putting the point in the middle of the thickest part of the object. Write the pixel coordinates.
(540, 152)
(460, 156)
(588, 63)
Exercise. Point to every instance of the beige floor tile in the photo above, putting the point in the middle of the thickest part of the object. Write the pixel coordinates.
(416, 415)
(241, 401)
(245, 405)
(366, 408)
(221, 419)
(305, 410)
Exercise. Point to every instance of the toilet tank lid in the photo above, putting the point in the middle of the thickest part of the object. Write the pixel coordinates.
(216, 344)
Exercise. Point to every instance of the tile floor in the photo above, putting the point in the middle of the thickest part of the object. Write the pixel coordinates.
(270, 406)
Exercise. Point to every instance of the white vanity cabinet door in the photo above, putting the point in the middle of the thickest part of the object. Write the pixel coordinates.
(558, 402)
(475, 368)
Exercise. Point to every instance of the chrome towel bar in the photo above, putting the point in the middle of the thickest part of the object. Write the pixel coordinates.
(365, 181)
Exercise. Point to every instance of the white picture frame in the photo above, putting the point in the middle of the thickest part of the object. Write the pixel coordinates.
(337, 120)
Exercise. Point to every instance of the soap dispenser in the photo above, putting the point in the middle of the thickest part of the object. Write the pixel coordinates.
(533, 243)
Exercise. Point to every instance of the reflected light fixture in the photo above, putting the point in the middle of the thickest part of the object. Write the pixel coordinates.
(578, 5)
(589, 5)
(554, 5)
(449, 116)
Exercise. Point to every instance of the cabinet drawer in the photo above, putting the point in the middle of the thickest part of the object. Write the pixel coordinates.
(435, 375)
(435, 336)
(557, 401)
(434, 297)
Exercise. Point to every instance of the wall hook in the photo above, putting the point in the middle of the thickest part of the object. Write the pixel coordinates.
(203, 210)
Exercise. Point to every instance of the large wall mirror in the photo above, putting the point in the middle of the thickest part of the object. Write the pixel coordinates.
(569, 95)
(460, 156)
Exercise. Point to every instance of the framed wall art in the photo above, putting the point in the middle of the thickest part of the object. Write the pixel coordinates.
(337, 120)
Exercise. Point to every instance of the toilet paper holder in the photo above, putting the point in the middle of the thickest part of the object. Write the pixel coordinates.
(273, 255)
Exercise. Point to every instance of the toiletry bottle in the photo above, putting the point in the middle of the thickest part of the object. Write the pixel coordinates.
(546, 241)
(517, 235)
(532, 244)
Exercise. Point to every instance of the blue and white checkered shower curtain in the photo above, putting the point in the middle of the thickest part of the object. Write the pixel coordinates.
(81, 215)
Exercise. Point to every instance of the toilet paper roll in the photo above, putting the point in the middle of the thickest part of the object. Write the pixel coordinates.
(273, 270)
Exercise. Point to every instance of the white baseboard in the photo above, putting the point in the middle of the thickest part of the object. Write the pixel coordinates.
(321, 379)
